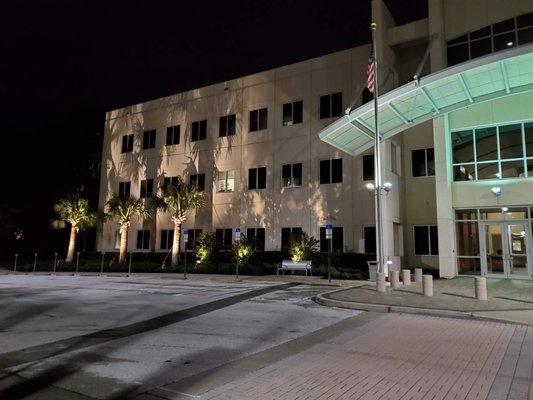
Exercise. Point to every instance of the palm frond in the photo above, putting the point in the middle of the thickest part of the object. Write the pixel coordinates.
(75, 211)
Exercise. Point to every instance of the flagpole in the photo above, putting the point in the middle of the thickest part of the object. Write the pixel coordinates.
(377, 161)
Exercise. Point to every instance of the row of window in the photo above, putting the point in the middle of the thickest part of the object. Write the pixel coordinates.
(425, 238)
(330, 106)
(495, 152)
(489, 39)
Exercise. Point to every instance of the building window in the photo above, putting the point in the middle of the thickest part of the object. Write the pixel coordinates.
(393, 158)
(127, 143)
(287, 234)
(496, 152)
(257, 178)
(143, 239)
(291, 175)
(224, 237)
(293, 113)
(198, 180)
(258, 120)
(422, 162)
(337, 241)
(227, 125)
(167, 238)
(169, 180)
(368, 167)
(258, 237)
(124, 189)
(192, 240)
(147, 188)
(426, 240)
(369, 236)
(173, 135)
(499, 36)
(331, 105)
(226, 181)
(331, 171)
(149, 139)
(199, 130)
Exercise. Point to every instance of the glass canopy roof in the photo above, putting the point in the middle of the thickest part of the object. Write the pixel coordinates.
(496, 75)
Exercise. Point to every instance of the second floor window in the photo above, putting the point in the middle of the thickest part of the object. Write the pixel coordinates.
(124, 189)
(227, 125)
(127, 143)
(291, 175)
(258, 120)
(173, 135)
(169, 180)
(226, 181)
(257, 178)
(293, 113)
(147, 188)
(199, 130)
(198, 180)
(331, 105)
(149, 139)
(422, 162)
(143, 239)
(368, 167)
(167, 238)
(331, 171)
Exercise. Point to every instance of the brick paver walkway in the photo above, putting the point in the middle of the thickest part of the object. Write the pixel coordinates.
(404, 357)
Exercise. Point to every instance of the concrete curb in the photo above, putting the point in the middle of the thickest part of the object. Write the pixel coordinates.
(383, 308)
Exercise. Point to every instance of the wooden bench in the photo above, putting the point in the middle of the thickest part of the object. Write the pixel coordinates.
(289, 265)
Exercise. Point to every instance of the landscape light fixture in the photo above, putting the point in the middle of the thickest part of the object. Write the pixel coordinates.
(509, 43)
(496, 191)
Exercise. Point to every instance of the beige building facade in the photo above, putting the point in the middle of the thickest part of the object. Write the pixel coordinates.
(253, 144)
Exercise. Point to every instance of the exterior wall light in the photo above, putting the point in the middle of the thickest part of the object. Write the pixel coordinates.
(496, 191)
(505, 209)
(387, 186)
(370, 187)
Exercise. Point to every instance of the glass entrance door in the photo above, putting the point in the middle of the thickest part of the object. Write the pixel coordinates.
(504, 249)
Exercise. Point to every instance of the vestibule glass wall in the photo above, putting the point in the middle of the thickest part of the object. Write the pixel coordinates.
(495, 152)
(474, 253)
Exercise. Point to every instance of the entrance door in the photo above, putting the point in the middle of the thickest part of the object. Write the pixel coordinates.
(504, 249)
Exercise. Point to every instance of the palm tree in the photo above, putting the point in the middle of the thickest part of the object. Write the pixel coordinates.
(73, 210)
(179, 198)
(125, 209)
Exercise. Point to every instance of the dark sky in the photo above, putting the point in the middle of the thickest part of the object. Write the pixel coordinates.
(64, 62)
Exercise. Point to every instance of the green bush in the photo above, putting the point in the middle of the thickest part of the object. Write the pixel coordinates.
(302, 247)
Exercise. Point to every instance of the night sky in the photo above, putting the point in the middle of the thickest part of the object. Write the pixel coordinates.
(65, 62)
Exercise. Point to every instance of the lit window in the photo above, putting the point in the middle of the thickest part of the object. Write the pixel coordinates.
(226, 181)
(291, 175)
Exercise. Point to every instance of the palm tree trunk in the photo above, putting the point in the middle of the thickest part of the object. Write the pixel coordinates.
(123, 244)
(176, 243)
(71, 244)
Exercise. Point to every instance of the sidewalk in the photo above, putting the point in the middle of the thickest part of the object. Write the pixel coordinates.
(508, 300)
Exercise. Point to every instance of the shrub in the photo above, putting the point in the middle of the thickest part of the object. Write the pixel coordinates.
(243, 250)
(303, 247)
(205, 248)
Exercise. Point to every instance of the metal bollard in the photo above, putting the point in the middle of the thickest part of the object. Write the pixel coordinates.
(102, 265)
(427, 285)
(77, 261)
(395, 279)
(15, 267)
(380, 282)
(418, 275)
(35, 262)
(406, 277)
(481, 288)
(129, 264)
(55, 262)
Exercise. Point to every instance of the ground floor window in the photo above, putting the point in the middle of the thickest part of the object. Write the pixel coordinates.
(192, 238)
(167, 237)
(143, 239)
(258, 236)
(337, 242)
(369, 236)
(224, 237)
(286, 234)
(426, 240)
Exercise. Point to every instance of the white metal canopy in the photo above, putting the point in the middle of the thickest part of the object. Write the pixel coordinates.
(496, 75)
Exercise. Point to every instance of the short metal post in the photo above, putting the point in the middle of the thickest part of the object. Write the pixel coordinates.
(481, 288)
(237, 271)
(102, 264)
(77, 261)
(35, 262)
(55, 262)
(185, 263)
(427, 285)
(15, 267)
(129, 264)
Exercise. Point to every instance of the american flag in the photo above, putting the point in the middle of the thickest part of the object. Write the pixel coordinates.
(371, 72)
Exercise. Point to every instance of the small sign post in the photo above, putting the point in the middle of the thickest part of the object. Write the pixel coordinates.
(185, 240)
(237, 239)
(329, 238)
